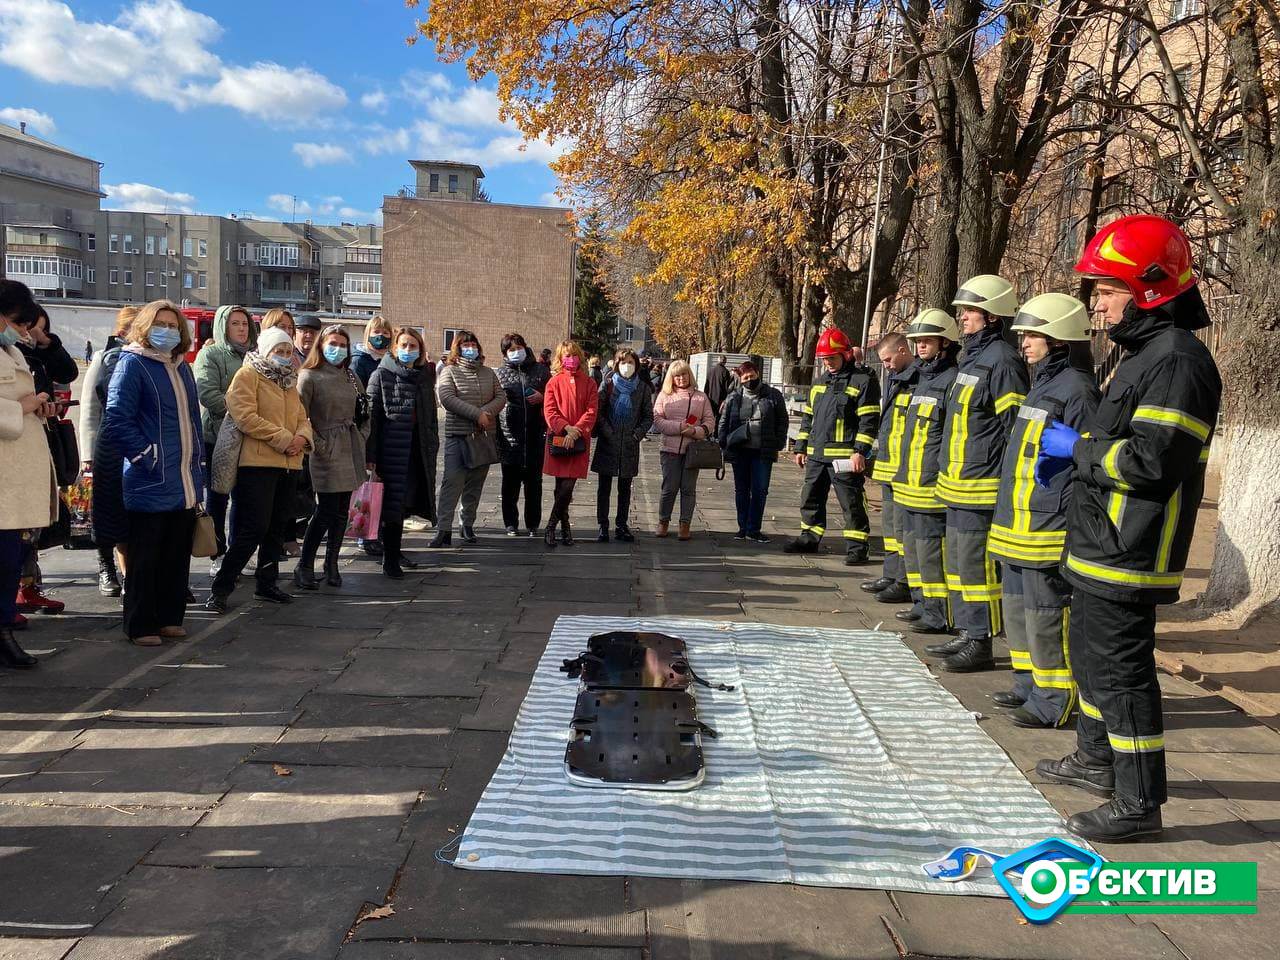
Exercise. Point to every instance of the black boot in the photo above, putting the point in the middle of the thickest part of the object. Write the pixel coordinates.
(468, 534)
(443, 538)
(974, 658)
(907, 616)
(854, 558)
(549, 535)
(11, 654)
(930, 630)
(603, 536)
(108, 580)
(1025, 718)
(1078, 770)
(304, 574)
(566, 534)
(1007, 699)
(948, 647)
(894, 593)
(391, 568)
(1115, 821)
(801, 546)
(331, 574)
(622, 533)
(271, 593)
(876, 585)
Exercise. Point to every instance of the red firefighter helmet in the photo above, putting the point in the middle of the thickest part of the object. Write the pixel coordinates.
(1148, 254)
(832, 342)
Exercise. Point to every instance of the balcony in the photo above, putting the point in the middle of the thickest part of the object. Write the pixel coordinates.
(40, 282)
(361, 299)
(285, 297)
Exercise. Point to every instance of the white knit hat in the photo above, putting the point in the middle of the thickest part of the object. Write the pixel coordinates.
(271, 338)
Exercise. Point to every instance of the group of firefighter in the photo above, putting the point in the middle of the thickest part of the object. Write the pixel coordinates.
(1018, 497)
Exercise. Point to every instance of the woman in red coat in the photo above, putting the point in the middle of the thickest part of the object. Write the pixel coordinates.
(570, 403)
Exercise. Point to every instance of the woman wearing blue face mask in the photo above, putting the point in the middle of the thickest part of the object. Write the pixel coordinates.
(403, 441)
(152, 420)
(522, 432)
(335, 405)
(472, 399)
(265, 405)
(377, 343)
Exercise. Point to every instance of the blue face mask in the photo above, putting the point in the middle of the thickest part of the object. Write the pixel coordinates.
(163, 338)
(470, 353)
(283, 362)
(407, 356)
(9, 336)
(334, 353)
(516, 357)
(379, 341)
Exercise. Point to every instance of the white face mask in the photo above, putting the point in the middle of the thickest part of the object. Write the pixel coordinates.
(626, 369)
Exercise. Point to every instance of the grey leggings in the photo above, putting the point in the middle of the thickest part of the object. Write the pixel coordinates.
(458, 483)
(677, 479)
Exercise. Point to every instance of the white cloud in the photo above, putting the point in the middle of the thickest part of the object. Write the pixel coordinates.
(159, 49)
(36, 121)
(323, 208)
(288, 204)
(375, 100)
(380, 140)
(145, 198)
(320, 154)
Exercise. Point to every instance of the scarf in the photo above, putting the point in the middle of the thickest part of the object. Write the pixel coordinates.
(151, 353)
(285, 379)
(469, 364)
(621, 409)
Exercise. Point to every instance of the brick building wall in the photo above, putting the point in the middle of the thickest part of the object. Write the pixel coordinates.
(491, 268)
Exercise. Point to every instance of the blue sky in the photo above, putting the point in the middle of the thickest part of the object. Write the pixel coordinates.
(238, 107)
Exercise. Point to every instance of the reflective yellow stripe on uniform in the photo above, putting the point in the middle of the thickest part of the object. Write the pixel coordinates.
(892, 546)
(1089, 710)
(1148, 744)
(1059, 679)
(1111, 468)
(1128, 578)
(1032, 546)
(1008, 400)
(853, 392)
(868, 409)
(960, 431)
(1172, 513)
(1020, 659)
(812, 528)
(864, 438)
(1169, 417)
(856, 535)
(974, 592)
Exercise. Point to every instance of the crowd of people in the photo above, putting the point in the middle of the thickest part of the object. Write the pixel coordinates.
(1018, 498)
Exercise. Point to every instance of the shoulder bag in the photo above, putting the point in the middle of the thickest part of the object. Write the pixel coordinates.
(703, 454)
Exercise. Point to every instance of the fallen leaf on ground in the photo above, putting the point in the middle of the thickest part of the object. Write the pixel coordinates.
(281, 770)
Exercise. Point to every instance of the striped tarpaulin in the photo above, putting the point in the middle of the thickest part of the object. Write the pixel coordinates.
(840, 762)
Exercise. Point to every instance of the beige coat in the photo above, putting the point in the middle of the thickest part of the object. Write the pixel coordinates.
(269, 417)
(28, 491)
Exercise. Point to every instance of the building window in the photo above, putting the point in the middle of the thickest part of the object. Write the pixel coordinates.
(244, 282)
(204, 281)
(91, 274)
(113, 244)
(186, 246)
(150, 278)
(113, 275)
(128, 243)
(435, 183)
(163, 245)
(278, 254)
(453, 183)
(1182, 9)
(227, 254)
(364, 254)
(128, 277)
(449, 334)
(91, 242)
(149, 244)
(187, 281)
(202, 248)
(243, 252)
(55, 267)
(629, 332)
(362, 283)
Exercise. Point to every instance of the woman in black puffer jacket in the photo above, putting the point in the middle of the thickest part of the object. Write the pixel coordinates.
(403, 441)
(522, 434)
(626, 414)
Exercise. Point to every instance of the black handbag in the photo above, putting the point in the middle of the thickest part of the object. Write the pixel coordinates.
(58, 533)
(703, 454)
(481, 450)
(562, 446)
(65, 451)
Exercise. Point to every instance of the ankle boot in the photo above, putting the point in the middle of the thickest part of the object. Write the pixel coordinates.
(603, 536)
(331, 575)
(566, 534)
(684, 531)
(622, 533)
(12, 655)
(972, 659)
(304, 574)
(663, 527)
(549, 535)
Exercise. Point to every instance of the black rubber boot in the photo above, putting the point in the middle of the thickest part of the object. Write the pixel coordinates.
(876, 585)
(974, 658)
(1115, 821)
(894, 593)
(947, 647)
(1077, 770)
(11, 654)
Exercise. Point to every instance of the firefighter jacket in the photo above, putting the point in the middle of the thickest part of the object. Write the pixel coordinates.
(917, 476)
(981, 410)
(893, 422)
(1140, 469)
(841, 415)
(1030, 523)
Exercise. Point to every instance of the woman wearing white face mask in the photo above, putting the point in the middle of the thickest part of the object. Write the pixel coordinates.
(626, 414)
(152, 420)
(265, 405)
(522, 431)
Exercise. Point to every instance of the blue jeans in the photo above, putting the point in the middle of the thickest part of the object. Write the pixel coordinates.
(751, 473)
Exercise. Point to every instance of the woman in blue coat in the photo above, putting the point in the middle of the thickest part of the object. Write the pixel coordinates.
(152, 419)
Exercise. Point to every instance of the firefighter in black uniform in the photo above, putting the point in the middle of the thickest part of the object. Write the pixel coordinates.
(837, 431)
(1029, 528)
(981, 412)
(1139, 481)
(901, 374)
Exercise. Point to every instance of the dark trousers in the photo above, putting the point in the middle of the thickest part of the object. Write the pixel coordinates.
(328, 522)
(891, 531)
(155, 589)
(1112, 647)
(972, 580)
(560, 503)
(215, 504)
(925, 543)
(603, 494)
(1036, 602)
(751, 474)
(820, 476)
(514, 479)
(13, 550)
(263, 499)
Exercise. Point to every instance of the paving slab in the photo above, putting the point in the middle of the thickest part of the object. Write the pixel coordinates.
(1247, 935)
(504, 691)
(277, 816)
(359, 613)
(395, 673)
(24, 948)
(480, 951)
(465, 629)
(541, 615)
(226, 696)
(166, 913)
(81, 852)
(359, 731)
(1250, 783)
(302, 648)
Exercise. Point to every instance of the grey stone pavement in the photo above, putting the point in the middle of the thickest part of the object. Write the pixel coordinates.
(270, 787)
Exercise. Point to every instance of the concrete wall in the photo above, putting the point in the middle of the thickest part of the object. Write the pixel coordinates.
(487, 267)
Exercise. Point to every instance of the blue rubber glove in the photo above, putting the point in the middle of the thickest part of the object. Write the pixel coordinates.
(1058, 441)
(1049, 467)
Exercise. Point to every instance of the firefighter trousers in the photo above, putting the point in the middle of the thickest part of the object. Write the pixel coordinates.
(819, 477)
(1036, 618)
(924, 540)
(1112, 647)
(891, 529)
(972, 580)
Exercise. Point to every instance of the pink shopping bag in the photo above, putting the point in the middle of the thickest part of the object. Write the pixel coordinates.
(366, 511)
